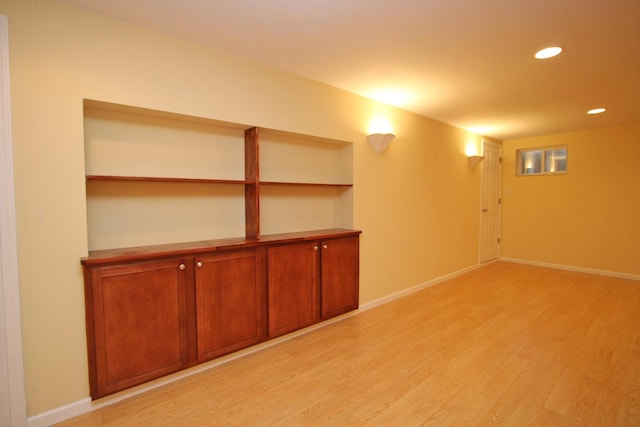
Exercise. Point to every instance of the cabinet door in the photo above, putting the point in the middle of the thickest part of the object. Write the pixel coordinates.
(340, 261)
(230, 302)
(292, 287)
(137, 323)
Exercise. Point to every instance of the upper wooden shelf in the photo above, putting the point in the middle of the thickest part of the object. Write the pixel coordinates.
(164, 179)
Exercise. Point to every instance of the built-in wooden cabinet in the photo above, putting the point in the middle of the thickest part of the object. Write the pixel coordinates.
(155, 310)
(206, 237)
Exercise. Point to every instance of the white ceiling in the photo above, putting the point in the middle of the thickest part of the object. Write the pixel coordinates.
(465, 62)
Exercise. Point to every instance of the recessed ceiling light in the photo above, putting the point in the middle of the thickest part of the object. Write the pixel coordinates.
(597, 111)
(548, 52)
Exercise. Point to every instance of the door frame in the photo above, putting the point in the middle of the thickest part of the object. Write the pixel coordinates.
(12, 389)
(486, 141)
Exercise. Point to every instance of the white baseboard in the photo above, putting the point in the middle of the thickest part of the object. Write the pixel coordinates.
(60, 414)
(83, 406)
(418, 287)
(573, 268)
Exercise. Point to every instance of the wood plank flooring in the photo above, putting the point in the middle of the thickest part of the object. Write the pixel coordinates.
(504, 345)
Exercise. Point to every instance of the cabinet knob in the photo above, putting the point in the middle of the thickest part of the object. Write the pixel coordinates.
(324, 246)
(315, 248)
(199, 264)
(182, 266)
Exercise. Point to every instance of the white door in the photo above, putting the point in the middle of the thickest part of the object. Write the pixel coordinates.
(490, 201)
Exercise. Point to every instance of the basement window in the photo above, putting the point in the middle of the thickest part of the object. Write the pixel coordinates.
(541, 161)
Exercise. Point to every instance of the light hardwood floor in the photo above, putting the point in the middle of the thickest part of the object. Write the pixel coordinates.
(504, 345)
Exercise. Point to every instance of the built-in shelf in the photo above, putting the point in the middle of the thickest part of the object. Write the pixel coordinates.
(305, 184)
(206, 181)
(163, 179)
(154, 177)
(193, 228)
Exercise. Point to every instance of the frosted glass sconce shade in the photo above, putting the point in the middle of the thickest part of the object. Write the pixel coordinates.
(380, 141)
(474, 160)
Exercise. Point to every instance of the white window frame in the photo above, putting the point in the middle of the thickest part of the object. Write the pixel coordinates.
(544, 152)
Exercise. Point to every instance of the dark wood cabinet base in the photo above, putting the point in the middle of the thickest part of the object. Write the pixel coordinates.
(156, 310)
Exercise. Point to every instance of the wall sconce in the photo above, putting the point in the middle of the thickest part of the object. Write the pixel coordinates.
(380, 141)
(474, 160)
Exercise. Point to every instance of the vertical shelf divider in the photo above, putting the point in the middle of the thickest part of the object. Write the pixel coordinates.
(252, 186)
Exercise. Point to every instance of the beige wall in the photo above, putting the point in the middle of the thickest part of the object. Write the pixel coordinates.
(587, 218)
(417, 203)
